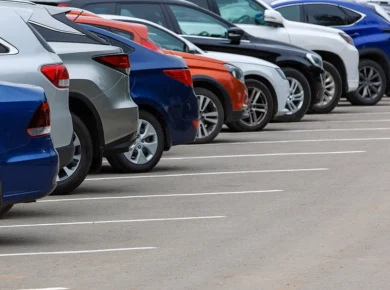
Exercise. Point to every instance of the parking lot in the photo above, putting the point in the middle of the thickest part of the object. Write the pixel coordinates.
(298, 206)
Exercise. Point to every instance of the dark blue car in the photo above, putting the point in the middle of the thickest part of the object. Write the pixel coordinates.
(369, 26)
(28, 160)
(161, 86)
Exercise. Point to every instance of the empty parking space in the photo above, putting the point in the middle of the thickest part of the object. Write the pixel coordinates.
(293, 207)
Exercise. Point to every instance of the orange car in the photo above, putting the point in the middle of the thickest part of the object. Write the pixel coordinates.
(218, 90)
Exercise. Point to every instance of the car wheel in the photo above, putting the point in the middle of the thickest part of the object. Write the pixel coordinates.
(261, 108)
(298, 102)
(372, 84)
(333, 90)
(72, 175)
(146, 151)
(211, 116)
(4, 209)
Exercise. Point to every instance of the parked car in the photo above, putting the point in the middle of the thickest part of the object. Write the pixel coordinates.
(28, 160)
(367, 24)
(267, 85)
(341, 57)
(162, 89)
(44, 68)
(219, 86)
(105, 118)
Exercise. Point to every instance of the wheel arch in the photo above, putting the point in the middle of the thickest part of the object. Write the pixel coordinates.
(217, 89)
(86, 111)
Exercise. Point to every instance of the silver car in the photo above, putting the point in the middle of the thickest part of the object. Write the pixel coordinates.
(26, 58)
(105, 117)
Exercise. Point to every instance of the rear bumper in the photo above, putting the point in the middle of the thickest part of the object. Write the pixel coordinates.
(65, 154)
(120, 146)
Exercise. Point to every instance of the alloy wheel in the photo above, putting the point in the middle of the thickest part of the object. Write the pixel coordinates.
(295, 99)
(145, 147)
(258, 107)
(370, 83)
(67, 171)
(208, 116)
(329, 92)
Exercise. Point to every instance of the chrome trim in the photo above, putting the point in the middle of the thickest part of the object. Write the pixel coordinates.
(55, 29)
(12, 49)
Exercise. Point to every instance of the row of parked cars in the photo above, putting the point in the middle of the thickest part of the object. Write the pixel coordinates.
(127, 80)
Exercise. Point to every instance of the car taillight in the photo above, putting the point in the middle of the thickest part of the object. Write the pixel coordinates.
(40, 123)
(64, 4)
(181, 75)
(150, 44)
(57, 74)
(120, 62)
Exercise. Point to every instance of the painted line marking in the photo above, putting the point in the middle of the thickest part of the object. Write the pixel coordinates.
(204, 174)
(160, 195)
(295, 141)
(362, 113)
(53, 288)
(78, 252)
(355, 121)
(301, 131)
(262, 155)
(112, 222)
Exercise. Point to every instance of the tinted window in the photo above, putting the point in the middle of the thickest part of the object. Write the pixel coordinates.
(195, 22)
(352, 17)
(164, 39)
(101, 8)
(326, 15)
(151, 12)
(292, 13)
(201, 3)
(241, 11)
(113, 42)
(40, 39)
(3, 49)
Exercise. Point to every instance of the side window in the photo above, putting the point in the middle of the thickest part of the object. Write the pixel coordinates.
(165, 40)
(241, 11)
(195, 22)
(3, 49)
(113, 42)
(353, 17)
(101, 8)
(325, 15)
(292, 12)
(201, 3)
(151, 12)
(123, 33)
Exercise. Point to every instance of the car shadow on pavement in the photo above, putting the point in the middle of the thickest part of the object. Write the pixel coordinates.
(13, 240)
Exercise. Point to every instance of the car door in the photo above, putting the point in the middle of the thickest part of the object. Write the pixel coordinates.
(337, 17)
(249, 15)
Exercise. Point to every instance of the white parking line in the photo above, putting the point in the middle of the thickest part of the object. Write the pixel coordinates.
(362, 113)
(262, 155)
(204, 173)
(55, 288)
(355, 121)
(302, 131)
(296, 141)
(112, 222)
(78, 252)
(159, 195)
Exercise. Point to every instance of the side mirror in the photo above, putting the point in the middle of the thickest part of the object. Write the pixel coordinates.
(235, 34)
(273, 17)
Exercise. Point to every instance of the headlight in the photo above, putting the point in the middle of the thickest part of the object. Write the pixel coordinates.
(347, 38)
(235, 71)
(314, 59)
(281, 73)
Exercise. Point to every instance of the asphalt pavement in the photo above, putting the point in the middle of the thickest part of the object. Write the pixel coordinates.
(297, 206)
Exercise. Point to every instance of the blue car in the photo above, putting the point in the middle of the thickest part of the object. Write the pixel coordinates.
(28, 160)
(161, 86)
(369, 26)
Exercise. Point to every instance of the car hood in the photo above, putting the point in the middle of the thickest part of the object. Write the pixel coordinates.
(236, 58)
(312, 27)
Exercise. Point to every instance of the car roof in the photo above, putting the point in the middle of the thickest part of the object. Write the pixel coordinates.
(80, 3)
(286, 2)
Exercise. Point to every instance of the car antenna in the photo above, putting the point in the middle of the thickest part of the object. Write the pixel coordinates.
(81, 12)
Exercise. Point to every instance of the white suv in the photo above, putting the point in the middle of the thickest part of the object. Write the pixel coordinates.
(340, 56)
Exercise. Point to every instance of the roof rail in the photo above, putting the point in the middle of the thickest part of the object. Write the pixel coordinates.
(19, 1)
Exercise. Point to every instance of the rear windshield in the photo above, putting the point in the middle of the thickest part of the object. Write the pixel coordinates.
(50, 34)
(40, 38)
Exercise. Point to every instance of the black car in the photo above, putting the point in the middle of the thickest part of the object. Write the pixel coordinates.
(303, 68)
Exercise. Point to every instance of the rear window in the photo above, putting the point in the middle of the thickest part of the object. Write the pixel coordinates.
(113, 42)
(40, 39)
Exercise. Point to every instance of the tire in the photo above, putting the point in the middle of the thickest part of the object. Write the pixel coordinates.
(78, 169)
(4, 209)
(142, 156)
(378, 81)
(333, 91)
(296, 77)
(265, 97)
(214, 106)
